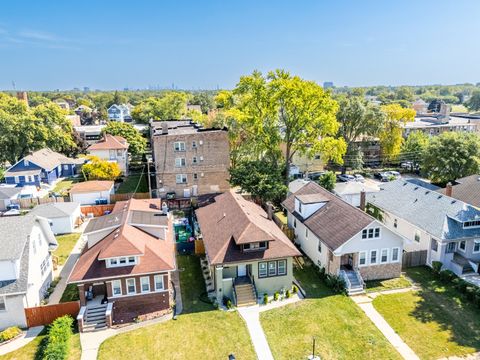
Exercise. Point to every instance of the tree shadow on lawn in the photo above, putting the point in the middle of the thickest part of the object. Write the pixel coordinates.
(308, 277)
(444, 305)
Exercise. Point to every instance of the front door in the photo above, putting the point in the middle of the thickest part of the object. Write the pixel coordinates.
(241, 270)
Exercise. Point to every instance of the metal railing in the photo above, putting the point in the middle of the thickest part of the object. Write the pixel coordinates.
(345, 278)
(234, 292)
(252, 279)
(360, 279)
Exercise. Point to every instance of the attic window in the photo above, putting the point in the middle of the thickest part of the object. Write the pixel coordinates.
(471, 224)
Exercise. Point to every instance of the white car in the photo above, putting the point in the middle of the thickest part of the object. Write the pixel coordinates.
(395, 174)
(359, 178)
(346, 178)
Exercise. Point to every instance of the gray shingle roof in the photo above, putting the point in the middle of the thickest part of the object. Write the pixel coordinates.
(439, 215)
(467, 190)
(14, 232)
(48, 159)
(20, 284)
(55, 210)
(8, 192)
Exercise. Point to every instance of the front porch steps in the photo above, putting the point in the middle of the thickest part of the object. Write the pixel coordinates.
(245, 294)
(207, 277)
(356, 287)
(95, 318)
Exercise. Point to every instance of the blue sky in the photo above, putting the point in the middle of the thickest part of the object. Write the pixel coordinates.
(205, 44)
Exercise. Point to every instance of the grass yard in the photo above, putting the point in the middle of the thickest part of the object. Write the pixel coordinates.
(341, 329)
(200, 332)
(33, 350)
(436, 321)
(130, 183)
(388, 284)
(62, 187)
(65, 246)
(70, 293)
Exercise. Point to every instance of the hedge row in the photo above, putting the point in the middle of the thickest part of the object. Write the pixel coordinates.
(59, 339)
(9, 333)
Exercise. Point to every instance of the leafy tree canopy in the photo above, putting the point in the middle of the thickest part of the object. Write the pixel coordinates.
(137, 143)
(414, 147)
(391, 134)
(328, 181)
(171, 106)
(97, 169)
(474, 102)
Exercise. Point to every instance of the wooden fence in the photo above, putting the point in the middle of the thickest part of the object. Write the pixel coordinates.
(414, 258)
(123, 197)
(31, 202)
(96, 210)
(44, 315)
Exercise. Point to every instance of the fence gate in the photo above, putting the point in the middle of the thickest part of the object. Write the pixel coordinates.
(44, 315)
(414, 258)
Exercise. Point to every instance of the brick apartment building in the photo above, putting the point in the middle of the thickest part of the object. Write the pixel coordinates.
(190, 160)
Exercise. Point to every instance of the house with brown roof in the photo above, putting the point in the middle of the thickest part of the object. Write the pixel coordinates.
(124, 272)
(113, 149)
(341, 238)
(92, 192)
(247, 254)
(466, 189)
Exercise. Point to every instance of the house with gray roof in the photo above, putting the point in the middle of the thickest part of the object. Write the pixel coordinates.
(341, 238)
(7, 196)
(25, 266)
(64, 217)
(447, 229)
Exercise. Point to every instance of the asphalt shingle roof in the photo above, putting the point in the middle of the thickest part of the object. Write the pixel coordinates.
(8, 192)
(14, 233)
(467, 190)
(55, 210)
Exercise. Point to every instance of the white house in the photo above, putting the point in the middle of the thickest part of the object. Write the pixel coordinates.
(92, 192)
(350, 191)
(447, 229)
(112, 148)
(7, 196)
(342, 238)
(25, 266)
(64, 217)
(120, 113)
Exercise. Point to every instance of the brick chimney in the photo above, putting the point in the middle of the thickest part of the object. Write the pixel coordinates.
(270, 211)
(164, 127)
(363, 200)
(22, 95)
(449, 189)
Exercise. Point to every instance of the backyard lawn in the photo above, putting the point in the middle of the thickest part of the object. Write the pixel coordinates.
(65, 246)
(70, 293)
(436, 321)
(200, 332)
(341, 329)
(388, 284)
(130, 183)
(62, 187)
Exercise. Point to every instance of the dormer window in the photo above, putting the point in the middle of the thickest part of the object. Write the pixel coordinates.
(122, 261)
(255, 246)
(471, 224)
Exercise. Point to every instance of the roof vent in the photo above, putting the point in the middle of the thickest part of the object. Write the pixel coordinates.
(427, 192)
(415, 188)
(439, 197)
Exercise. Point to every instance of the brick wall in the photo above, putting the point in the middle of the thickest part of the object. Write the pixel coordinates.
(382, 271)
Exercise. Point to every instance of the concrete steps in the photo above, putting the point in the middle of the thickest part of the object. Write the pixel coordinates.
(356, 287)
(95, 318)
(245, 295)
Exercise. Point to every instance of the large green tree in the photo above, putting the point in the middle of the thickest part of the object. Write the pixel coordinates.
(451, 156)
(414, 147)
(391, 139)
(98, 169)
(137, 143)
(171, 106)
(473, 103)
(284, 111)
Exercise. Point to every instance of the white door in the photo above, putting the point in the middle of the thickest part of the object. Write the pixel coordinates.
(242, 270)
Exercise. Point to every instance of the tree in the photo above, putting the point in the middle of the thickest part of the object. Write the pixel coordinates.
(118, 98)
(137, 143)
(328, 181)
(473, 104)
(262, 178)
(171, 106)
(281, 109)
(391, 134)
(451, 156)
(414, 147)
(97, 169)
(204, 99)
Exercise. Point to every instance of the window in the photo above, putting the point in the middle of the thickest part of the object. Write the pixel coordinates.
(145, 283)
(434, 245)
(319, 246)
(131, 286)
(3, 306)
(131, 260)
(377, 232)
(462, 245)
(26, 162)
(306, 232)
(65, 167)
(195, 176)
(180, 162)
(201, 158)
(469, 224)
(417, 236)
(282, 267)
(159, 282)
(112, 154)
(384, 256)
(364, 233)
(181, 179)
(395, 223)
(113, 262)
(476, 246)
(255, 246)
(371, 233)
(34, 247)
(395, 254)
(294, 223)
(362, 258)
(194, 160)
(179, 146)
(451, 246)
(119, 153)
(373, 256)
(272, 268)
(300, 207)
(194, 144)
(262, 269)
(116, 288)
(44, 265)
(123, 261)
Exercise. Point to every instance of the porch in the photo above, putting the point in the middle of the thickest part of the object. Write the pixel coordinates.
(464, 266)
(95, 312)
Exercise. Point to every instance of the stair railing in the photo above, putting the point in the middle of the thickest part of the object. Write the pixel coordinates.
(360, 279)
(345, 278)
(234, 292)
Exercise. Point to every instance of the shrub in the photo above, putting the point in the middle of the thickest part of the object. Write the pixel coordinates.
(265, 298)
(227, 302)
(336, 283)
(471, 291)
(288, 295)
(58, 339)
(9, 333)
(295, 289)
(461, 285)
(447, 275)
(437, 266)
(322, 273)
(476, 299)
(276, 295)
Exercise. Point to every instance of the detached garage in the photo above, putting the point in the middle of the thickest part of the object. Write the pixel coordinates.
(92, 192)
(63, 216)
(7, 195)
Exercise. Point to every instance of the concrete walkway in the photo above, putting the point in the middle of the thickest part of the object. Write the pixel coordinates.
(21, 341)
(365, 303)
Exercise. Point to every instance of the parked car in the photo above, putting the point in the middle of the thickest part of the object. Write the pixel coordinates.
(395, 174)
(315, 175)
(346, 177)
(359, 178)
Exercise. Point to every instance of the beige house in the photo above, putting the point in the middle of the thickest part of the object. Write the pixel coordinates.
(247, 255)
(342, 238)
(113, 149)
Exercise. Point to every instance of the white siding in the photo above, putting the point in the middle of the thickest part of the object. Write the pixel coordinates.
(408, 231)
(14, 315)
(89, 198)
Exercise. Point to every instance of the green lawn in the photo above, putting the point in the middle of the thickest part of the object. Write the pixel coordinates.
(33, 350)
(62, 187)
(388, 284)
(200, 332)
(65, 246)
(435, 321)
(70, 293)
(341, 329)
(130, 183)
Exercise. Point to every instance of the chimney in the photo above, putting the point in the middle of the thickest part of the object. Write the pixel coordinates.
(164, 127)
(22, 95)
(449, 189)
(270, 211)
(363, 200)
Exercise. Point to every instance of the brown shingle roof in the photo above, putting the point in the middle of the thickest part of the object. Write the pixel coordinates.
(334, 223)
(109, 142)
(230, 221)
(156, 255)
(92, 185)
(467, 190)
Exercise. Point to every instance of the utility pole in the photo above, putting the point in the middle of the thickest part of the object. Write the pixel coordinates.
(148, 175)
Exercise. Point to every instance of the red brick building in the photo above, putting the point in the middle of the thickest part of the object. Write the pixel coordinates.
(124, 271)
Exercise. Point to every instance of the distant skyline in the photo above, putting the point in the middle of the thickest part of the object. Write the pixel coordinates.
(47, 45)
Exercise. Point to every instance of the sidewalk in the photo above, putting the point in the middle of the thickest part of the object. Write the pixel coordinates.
(21, 341)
